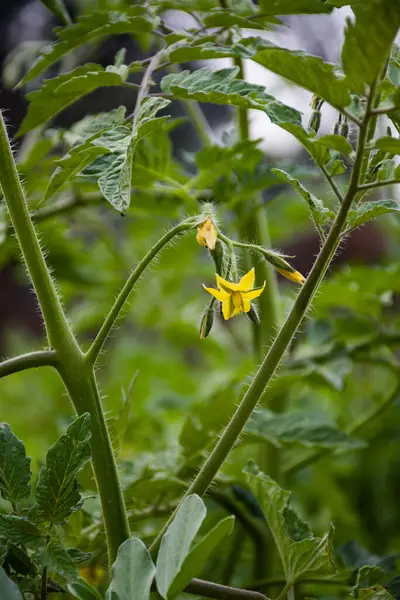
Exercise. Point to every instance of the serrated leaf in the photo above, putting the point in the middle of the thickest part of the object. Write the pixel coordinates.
(320, 213)
(370, 210)
(92, 26)
(83, 591)
(301, 558)
(57, 494)
(57, 7)
(368, 41)
(305, 428)
(18, 530)
(132, 572)
(388, 144)
(307, 71)
(9, 589)
(222, 87)
(195, 561)
(175, 545)
(15, 470)
(57, 560)
(93, 125)
(56, 94)
(78, 556)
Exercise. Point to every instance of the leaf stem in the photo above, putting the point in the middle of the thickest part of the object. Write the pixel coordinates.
(332, 183)
(278, 348)
(31, 360)
(377, 184)
(109, 322)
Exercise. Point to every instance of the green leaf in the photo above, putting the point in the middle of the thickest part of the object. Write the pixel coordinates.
(388, 144)
(307, 71)
(93, 26)
(318, 152)
(9, 589)
(301, 554)
(83, 591)
(113, 171)
(335, 142)
(306, 428)
(132, 572)
(374, 593)
(93, 125)
(368, 41)
(15, 470)
(58, 8)
(78, 556)
(57, 560)
(175, 545)
(370, 210)
(226, 18)
(195, 561)
(57, 494)
(293, 7)
(18, 530)
(320, 213)
(58, 93)
(222, 87)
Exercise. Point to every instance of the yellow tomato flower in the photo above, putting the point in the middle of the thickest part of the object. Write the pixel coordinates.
(92, 574)
(235, 297)
(292, 275)
(207, 234)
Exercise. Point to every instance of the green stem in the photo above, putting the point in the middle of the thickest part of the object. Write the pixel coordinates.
(278, 348)
(31, 360)
(377, 184)
(123, 296)
(77, 375)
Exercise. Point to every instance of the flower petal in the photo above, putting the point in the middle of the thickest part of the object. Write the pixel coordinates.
(226, 286)
(247, 281)
(253, 293)
(228, 308)
(246, 304)
(220, 295)
(292, 275)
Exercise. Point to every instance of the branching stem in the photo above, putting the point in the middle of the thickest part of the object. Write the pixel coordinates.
(31, 360)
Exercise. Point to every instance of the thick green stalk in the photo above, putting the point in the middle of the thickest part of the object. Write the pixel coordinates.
(268, 368)
(76, 373)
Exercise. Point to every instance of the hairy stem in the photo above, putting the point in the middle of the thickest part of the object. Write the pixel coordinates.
(208, 589)
(77, 377)
(278, 348)
(31, 360)
(109, 322)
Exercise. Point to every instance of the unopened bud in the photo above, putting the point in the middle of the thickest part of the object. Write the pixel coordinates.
(338, 125)
(344, 130)
(207, 321)
(315, 120)
(218, 256)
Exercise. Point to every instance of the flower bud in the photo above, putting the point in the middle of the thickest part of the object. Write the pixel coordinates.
(344, 130)
(207, 321)
(315, 120)
(218, 256)
(338, 125)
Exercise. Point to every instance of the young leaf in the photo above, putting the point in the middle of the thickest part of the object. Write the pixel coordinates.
(94, 125)
(368, 41)
(57, 93)
(293, 7)
(370, 210)
(197, 558)
(57, 560)
(335, 142)
(57, 494)
(305, 428)
(90, 27)
(15, 470)
(388, 144)
(222, 87)
(9, 589)
(226, 18)
(58, 8)
(175, 545)
(320, 213)
(83, 591)
(307, 71)
(132, 572)
(18, 530)
(301, 554)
